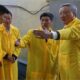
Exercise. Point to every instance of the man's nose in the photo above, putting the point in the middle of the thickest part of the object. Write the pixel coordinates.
(8, 20)
(44, 21)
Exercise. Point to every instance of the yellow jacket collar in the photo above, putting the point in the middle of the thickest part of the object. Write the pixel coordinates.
(3, 27)
(72, 22)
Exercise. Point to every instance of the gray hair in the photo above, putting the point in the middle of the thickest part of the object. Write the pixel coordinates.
(72, 7)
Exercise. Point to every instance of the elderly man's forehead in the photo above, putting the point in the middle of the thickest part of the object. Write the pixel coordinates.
(64, 8)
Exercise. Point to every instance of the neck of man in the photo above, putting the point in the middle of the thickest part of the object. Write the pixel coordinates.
(7, 27)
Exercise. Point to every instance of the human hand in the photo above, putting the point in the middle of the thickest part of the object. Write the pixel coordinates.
(17, 43)
(42, 34)
(11, 59)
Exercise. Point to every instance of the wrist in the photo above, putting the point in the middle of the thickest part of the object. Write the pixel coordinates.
(55, 35)
(51, 35)
(0, 63)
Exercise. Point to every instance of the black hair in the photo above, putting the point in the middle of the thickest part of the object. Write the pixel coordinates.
(47, 14)
(3, 9)
(8, 12)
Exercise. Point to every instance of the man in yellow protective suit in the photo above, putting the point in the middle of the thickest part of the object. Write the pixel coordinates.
(9, 34)
(69, 50)
(42, 53)
(2, 11)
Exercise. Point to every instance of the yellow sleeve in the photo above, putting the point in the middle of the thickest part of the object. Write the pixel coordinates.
(17, 51)
(1, 53)
(25, 41)
(72, 33)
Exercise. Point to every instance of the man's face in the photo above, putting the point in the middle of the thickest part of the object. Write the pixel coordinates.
(46, 22)
(66, 14)
(7, 19)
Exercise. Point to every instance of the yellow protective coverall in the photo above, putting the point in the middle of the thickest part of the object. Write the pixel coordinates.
(8, 46)
(69, 51)
(1, 60)
(42, 57)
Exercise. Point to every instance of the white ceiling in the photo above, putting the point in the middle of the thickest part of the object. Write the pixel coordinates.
(31, 5)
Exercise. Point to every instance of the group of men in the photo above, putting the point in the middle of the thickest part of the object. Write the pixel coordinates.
(52, 55)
